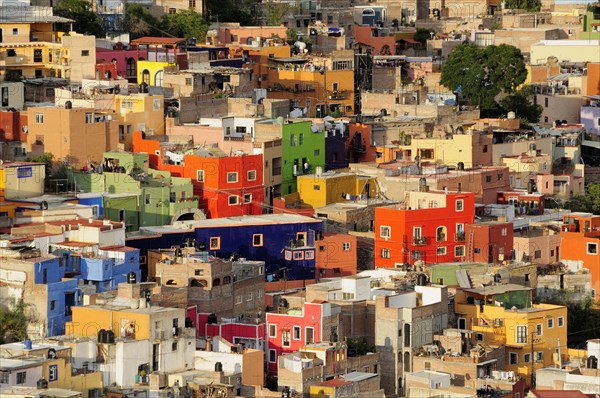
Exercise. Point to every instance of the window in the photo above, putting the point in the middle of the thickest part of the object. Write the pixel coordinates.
(52, 305)
(485, 149)
(459, 251)
(499, 177)
(513, 358)
(479, 336)
(173, 11)
(416, 255)
(309, 255)
(346, 246)
(440, 234)
(239, 299)
(156, 105)
(247, 198)
(385, 253)
(592, 248)
(546, 102)
(309, 334)
(272, 356)
(441, 251)
(292, 140)
(538, 329)
(285, 338)
(561, 321)
(85, 53)
(233, 200)
(39, 118)
(296, 334)
(249, 296)
(539, 356)
(316, 187)
(37, 55)
(521, 334)
(15, 31)
(299, 255)
(550, 323)
(488, 178)
(385, 231)
(174, 346)
(460, 205)
(252, 175)
(188, 81)
(257, 240)
(300, 139)
(4, 377)
(317, 152)
(200, 175)
(21, 377)
(537, 254)
(504, 231)
(89, 117)
(527, 358)
(232, 177)
(215, 243)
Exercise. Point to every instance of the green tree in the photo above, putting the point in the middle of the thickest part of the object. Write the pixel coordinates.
(529, 5)
(242, 11)
(276, 12)
(422, 35)
(589, 203)
(139, 22)
(86, 20)
(187, 24)
(13, 322)
(521, 104)
(483, 73)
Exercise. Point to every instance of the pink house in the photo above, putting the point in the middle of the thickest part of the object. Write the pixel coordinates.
(125, 59)
(290, 329)
(250, 335)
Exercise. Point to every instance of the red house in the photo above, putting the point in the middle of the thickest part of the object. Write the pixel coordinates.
(430, 227)
(489, 242)
(227, 186)
(250, 335)
(289, 329)
(359, 144)
(525, 201)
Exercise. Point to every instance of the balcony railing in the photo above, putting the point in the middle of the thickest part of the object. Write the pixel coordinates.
(419, 240)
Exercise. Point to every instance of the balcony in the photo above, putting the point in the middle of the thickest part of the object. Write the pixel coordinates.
(338, 95)
(419, 240)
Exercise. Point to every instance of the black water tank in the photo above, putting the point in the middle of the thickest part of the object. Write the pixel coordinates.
(592, 362)
(102, 336)
(68, 105)
(189, 323)
(110, 337)
(212, 319)
(497, 278)
(285, 393)
(461, 166)
(42, 384)
(178, 252)
(422, 280)
(283, 303)
(131, 278)
(218, 367)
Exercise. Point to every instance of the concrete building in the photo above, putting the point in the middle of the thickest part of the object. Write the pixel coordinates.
(565, 50)
(403, 323)
(537, 244)
(21, 180)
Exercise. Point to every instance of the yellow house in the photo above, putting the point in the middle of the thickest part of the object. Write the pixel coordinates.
(333, 388)
(162, 52)
(30, 47)
(20, 180)
(151, 72)
(141, 112)
(535, 335)
(59, 374)
(318, 190)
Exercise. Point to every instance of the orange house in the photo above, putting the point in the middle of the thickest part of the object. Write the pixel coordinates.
(228, 186)
(580, 244)
(336, 255)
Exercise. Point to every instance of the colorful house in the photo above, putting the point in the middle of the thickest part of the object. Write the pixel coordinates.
(489, 242)
(360, 143)
(227, 186)
(162, 52)
(503, 315)
(290, 329)
(429, 228)
(21, 180)
(580, 245)
(125, 59)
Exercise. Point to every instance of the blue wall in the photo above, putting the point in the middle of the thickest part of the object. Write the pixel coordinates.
(96, 201)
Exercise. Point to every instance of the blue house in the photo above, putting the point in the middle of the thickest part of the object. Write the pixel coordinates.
(95, 200)
(285, 242)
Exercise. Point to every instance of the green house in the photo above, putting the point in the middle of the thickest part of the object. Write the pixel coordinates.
(591, 24)
(138, 195)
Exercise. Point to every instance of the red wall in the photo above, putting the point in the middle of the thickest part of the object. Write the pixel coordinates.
(312, 317)
(370, 151)
(332, 260)
(402, 222)
(495, 236)
(364, 35)
(11, 126)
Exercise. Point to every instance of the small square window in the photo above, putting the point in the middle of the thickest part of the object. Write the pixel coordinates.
(441, 251)
(479, 336)
(174, 346)
(527, 358)
(215, 243)
(21, 377)
(296, 335)
(252, 175)
(561, 321)
(459, 251)
(385, 253)
(550, 323)
(233, 200)
(513, 358)
(232, 177)
(247, 198)
(272, 356)
(85, 53)
(200, 175)
(385, 231)
(15, 31)
(539, 356)
(316, 187)
(592, 248)
(257, 240)
(460, 205)
(346, 246)
(317, 152)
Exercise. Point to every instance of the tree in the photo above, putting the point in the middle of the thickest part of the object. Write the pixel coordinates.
(589, 203)
(139, 22)
(187, 24)
(86, 20)
(242, 11)
(483, 73)
(422, 35)
(13, 322)
(529, 5)
(276, 12)
(522, 106)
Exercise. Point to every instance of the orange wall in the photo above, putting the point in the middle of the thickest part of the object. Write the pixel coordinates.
(593, 78)
(332, 259)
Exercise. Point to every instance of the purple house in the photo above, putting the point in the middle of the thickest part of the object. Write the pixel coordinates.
(125, 57)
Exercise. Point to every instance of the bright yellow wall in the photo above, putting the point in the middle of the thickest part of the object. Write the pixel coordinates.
(315, 392)
(81, 382)
(331, 189)
(87, 321)
(152, 67)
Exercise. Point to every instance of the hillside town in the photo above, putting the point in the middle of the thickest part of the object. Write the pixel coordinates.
(309, 199)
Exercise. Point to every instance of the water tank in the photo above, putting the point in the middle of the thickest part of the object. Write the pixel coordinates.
(283, 303)
(131, 278)
(592, 362)
(461, 165)
(212, 319)
(178, 252)
(285, 393)
(218, 367)
(421, 280)
(511, 115)
(68, 105)
(530, 187)
(189, 323)
(28, 344)
(110, 337)
(497, 278)
(42, 384)
(102, 336)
